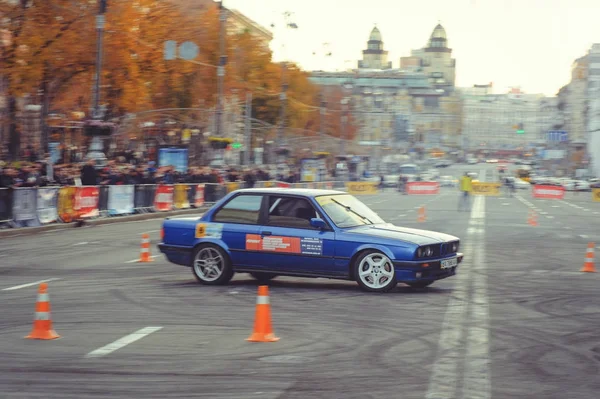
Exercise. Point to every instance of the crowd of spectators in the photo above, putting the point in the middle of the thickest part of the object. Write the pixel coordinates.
(43, 173)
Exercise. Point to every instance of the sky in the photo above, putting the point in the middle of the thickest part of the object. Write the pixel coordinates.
(529, 44)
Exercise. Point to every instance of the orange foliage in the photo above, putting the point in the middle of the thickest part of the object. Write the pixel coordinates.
(54, 45)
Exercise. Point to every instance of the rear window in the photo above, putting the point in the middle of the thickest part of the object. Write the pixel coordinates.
(243, 209)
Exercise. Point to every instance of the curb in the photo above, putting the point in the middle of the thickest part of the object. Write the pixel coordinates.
(27, 231)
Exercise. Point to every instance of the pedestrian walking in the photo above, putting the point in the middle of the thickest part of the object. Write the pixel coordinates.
(466, 186)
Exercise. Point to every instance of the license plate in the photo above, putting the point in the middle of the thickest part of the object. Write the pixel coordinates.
(447, 263)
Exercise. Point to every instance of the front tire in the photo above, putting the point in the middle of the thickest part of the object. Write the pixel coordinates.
(211, 265)
(375, 272)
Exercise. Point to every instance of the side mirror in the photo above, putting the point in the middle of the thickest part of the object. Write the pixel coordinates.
(318, 223)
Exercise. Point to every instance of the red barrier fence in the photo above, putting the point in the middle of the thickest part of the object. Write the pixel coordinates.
(423, 187)
(548, 192)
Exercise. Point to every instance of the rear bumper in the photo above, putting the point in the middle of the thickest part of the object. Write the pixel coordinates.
(167, 248)
(414, 271)
(176, 253)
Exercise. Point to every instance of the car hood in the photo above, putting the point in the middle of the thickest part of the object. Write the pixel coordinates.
(396, 233)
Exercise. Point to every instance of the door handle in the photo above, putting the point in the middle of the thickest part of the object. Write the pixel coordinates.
(266, 233)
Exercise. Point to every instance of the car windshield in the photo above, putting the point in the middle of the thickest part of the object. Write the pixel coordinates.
(347, 211)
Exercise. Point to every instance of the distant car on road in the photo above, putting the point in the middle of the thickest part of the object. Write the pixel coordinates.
(448, 181)
(306, 233)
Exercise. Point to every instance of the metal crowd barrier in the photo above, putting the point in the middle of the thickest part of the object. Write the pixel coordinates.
(23, 207)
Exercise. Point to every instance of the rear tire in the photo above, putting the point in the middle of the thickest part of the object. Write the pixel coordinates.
(211, 265)
(263, 277)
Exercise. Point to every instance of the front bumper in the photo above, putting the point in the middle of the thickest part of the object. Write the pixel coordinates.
(430, 270)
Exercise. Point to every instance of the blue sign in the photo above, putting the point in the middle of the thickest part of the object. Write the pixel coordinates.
(557, 136)
(176, 157)
(54, 150)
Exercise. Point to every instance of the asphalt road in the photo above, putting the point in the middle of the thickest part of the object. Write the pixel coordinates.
(518, 321)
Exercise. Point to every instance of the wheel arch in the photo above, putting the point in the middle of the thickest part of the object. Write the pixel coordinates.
(365, 248)
(217, 243)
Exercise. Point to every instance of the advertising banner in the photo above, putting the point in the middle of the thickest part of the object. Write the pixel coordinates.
(86, 202)
(176, 157)
(282, 184)
(232, 186)
(491, 189)
(120, 200)
(361, 187)
(5, 204)
(66, 204)
(24, 206)
(47, 205)
(163, 198)
(548, 192)
(596, 194)
(423, 187)
(199, 197)
(180, 195)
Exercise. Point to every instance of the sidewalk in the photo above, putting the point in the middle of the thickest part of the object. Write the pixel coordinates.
(27, 231)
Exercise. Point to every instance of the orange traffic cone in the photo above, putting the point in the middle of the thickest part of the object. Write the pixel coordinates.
(532, 219)
(422, 216)
(263, 332)
(42, 323)
(588, 265)
(145, 251)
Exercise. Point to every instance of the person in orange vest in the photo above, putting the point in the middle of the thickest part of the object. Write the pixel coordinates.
(466, 186)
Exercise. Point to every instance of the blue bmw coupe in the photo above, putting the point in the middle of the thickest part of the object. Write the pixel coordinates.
(306, 233)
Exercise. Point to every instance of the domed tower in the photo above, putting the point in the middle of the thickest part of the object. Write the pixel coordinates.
(436, 59)
(438, 40)
(375, 57)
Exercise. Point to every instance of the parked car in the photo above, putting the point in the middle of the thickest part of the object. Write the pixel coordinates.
(306, 233)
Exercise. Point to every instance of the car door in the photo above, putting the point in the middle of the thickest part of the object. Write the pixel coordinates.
(290, 243)
(239, 219)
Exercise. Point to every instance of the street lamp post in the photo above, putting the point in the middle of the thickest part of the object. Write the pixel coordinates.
(221, 69)
(99, 55)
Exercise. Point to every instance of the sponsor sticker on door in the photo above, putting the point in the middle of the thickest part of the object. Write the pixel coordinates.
(281, 244)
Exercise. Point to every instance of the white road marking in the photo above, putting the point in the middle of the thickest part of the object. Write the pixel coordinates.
(137, 260)
(543, 213)
(506, 203)
(122, 342)
(80, 243)
(550, 217)
(583, 236)
(153, 231)
(460, 313)
(18, 287)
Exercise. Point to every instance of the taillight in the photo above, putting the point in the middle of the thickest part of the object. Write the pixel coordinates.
(162, 234)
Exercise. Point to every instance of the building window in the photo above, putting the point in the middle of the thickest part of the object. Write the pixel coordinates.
(432, 102)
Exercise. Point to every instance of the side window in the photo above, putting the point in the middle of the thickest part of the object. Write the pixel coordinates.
(290, 212)
(243, 209)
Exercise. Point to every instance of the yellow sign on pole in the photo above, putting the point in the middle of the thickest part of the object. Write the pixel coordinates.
(361, 187)
(481, 188)
(596, 194)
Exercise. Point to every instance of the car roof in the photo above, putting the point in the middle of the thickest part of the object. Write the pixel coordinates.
(305, 192)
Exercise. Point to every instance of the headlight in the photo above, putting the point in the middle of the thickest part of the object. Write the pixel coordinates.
(454, 247)
(424, 252)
